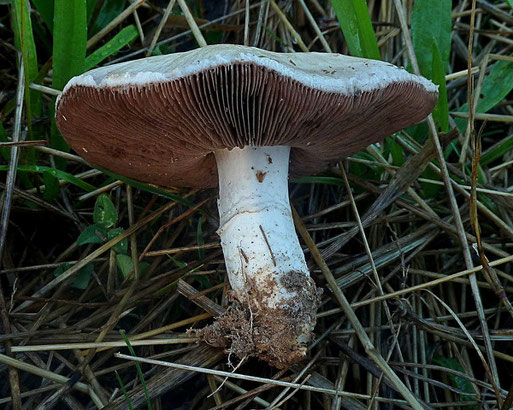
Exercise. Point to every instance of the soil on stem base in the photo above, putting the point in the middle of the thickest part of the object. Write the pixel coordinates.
(250, 328)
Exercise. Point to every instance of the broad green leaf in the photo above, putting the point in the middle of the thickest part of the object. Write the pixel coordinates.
(105, 213)
(120, 247)
(497, 151)
(355, 22)
(441, 111)
(92, 234)
(496, 86)
(458, 382)
(430, 190)
(125, 264)
(430, 21)
(45, 9)
(510, 3)
(109, 11)
(51, 187)
(119, 41)
(56, 173)
(82, 277)
(395, 149)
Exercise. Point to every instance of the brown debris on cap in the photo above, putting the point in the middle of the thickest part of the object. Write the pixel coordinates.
(160, 119)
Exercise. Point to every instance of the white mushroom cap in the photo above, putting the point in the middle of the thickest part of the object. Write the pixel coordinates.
(160, 119)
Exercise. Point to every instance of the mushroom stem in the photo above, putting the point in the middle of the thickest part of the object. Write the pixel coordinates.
(266, 267)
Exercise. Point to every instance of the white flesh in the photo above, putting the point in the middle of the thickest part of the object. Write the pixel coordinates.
(257, 233)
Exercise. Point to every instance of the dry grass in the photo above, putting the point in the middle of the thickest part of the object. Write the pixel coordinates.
(415, 256)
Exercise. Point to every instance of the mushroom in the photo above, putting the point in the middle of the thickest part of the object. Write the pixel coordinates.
(238, 116)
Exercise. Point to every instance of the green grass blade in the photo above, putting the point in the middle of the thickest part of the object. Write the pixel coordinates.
(45, 9)
(355, 22)
(123, 389)
(139, 370)
(54, 172)
(149, 188)
(69, 41)
(69, 51)
(319, 180)
(428, 21)
(441, 111)
(91, 5)
(108, 12)
(497, 151)
(24, 40)
(120, 40)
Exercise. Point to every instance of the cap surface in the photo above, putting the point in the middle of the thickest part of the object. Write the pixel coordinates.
(160, 119)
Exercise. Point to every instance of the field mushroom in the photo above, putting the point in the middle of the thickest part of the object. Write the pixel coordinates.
(236, 117)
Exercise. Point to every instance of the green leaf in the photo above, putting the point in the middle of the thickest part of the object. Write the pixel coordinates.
(441, 111)
(51, 187)
(109, 11)
(119, 41)
(395, 150)
(120, 247)
(430, 190)
(24, 40)
(355, 22)
(430, 21)
(91, 5)
(56, 173)
(510, 3)
(105, 213)
(497, 151)
(458, 382)
(82, 277)
(45, 9)
(92, 234)
(125, 264)
(496, 86)
(69, 41)
(69, 51)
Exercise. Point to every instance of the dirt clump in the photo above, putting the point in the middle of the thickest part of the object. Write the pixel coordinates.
(278, 335)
